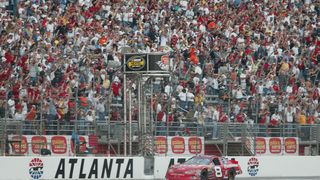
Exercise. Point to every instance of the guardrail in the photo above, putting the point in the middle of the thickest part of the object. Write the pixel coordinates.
(212, 132)
(215, 130)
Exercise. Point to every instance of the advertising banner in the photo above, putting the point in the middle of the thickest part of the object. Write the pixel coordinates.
(195, 145)
(290, 146)
(134, 63)
(277, 146)
(19, 144)
(38, 143)
(32, 144)
(34, 168)
(253, 167)
(160, 145)
(261, 145)
(146, 63)
(58, 144)
(178, 145)
(158, 62)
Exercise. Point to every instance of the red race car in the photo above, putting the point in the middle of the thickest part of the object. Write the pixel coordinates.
(203, 168)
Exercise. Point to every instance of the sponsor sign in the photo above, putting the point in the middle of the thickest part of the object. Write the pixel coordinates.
(135, 63)
(14, 168)
(195, 145)
(34, 168)
(19, 144)
(146, 63)
(38, 143)
(253, 166)
(178, 145)
(290, 145)
(277, 146)
(261, 145)
(160, 145)
(32, 144)
(158, 62)
(58, 144)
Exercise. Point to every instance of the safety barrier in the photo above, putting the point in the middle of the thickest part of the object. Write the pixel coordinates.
(21, 168)
(258, 167)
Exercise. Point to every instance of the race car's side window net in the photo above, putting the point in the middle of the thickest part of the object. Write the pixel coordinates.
(224, 160)
(216, 161)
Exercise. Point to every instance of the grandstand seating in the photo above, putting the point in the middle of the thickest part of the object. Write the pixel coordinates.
(232, 75)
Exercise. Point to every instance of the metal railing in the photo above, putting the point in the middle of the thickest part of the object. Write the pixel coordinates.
(214, 133)
(244, 135)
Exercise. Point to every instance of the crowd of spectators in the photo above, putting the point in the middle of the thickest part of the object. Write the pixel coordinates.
(261, 57)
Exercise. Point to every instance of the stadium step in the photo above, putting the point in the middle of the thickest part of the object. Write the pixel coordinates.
(213, 149)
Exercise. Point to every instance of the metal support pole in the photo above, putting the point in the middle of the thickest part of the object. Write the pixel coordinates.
(125, 114)
(5, 133)
(144, 113)
(41, 118)
(109, 122)
(154, 111)
(130, 122)
(41, 113)
(317, 140)
(153, 126)
(225, 139)
(139, 102)
(75, 121)
(139, 113)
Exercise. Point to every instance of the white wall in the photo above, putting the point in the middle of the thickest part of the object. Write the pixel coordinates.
(268, 166)
(61, 168)
(22, 168)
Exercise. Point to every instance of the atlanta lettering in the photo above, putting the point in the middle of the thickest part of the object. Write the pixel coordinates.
(176, 161)
(98, 168)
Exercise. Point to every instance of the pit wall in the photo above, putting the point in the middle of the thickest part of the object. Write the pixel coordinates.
(14, 168)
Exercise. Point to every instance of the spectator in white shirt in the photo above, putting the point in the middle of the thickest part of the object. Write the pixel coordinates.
(89, 117)
(19, 116)
(168, 89)
(101, 110)
(190, 99)
(215, 119)
(183, 99)
(12, 108)
(289, 119)
(274, 122)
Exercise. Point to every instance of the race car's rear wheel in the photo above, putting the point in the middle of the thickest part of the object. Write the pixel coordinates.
(204, 175)
(231, 175)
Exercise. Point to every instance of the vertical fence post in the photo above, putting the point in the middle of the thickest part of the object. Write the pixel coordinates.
(125, 113)
(130, 121)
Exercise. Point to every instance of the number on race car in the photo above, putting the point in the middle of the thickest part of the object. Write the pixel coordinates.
(217, 169)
